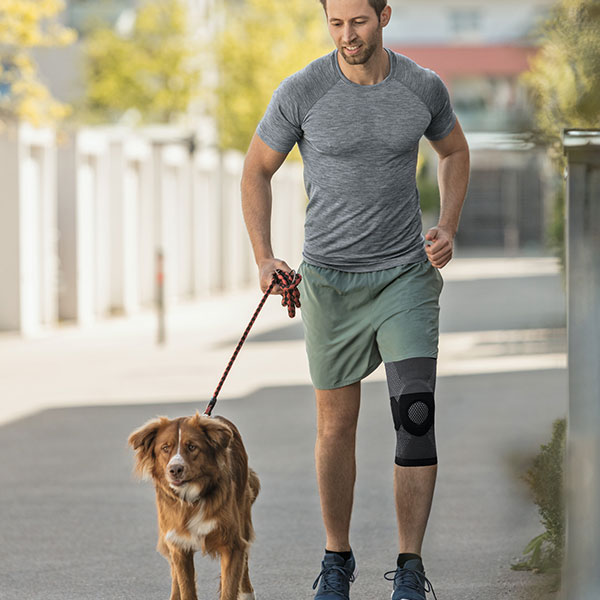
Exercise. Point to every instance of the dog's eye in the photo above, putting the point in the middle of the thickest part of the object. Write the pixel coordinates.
(165, 448)
(191, 447)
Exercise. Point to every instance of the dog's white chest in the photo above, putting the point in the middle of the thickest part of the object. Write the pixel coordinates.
(197, 529)
(200, 527)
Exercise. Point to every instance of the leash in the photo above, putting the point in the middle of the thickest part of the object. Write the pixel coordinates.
(288, 282)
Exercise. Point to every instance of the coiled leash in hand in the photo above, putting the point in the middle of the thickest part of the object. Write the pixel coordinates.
(288, 282)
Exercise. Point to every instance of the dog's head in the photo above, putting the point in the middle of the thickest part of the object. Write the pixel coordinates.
(185, 455)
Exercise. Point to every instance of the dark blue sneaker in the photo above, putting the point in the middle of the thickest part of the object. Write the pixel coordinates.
(336, 576)
(410, 582)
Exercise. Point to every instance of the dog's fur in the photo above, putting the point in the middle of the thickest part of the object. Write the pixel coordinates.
(204, 494)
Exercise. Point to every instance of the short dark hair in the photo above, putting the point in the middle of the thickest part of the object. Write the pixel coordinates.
(376, 5)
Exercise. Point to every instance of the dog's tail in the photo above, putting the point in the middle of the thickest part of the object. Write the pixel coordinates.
(254, 483)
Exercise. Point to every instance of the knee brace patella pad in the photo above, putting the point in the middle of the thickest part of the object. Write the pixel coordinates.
(411, 384)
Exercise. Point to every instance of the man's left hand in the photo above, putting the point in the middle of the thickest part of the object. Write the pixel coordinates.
(439, 251)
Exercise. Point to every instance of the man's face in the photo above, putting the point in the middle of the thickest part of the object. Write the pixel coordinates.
(355, 29)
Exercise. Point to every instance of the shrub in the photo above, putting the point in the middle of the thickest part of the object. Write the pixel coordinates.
(546, 480)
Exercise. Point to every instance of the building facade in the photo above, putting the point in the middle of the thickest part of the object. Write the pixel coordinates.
(478, 48)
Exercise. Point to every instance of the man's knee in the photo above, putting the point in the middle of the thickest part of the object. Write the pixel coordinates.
(411, 385)
(330, 428)
(337, 411)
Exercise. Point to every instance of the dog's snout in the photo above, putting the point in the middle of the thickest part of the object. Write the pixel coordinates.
(176, 467)
(176, 470)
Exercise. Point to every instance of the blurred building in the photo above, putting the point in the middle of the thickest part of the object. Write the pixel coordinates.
(478, 48)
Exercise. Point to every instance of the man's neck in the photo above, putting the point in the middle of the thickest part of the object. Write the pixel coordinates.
(376, 69)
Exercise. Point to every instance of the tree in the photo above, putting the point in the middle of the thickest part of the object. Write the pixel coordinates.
(564, 77)
(564, 80)
(153, 69)
(26, 24)
(263, 42)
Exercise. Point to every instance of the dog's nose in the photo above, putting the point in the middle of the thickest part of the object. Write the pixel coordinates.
(176, 471)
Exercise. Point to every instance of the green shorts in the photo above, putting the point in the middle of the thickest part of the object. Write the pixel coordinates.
(353, 321)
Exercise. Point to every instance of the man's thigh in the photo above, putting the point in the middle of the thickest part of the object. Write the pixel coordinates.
(408, 313)
(340, 339)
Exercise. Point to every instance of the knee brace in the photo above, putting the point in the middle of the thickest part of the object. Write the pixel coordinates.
(411, 384)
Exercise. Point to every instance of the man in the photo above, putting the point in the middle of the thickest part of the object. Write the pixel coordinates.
(371, 281)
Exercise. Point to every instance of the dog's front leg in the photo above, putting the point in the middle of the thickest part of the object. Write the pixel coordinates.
(174, 583)
(232, 564)
(246, 589)
(182, 571)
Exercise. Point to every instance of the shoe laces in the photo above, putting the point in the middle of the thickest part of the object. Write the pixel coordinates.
(335, 578)
(410, 579)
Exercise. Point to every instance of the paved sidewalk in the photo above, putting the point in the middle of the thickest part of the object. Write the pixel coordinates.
(75, 524)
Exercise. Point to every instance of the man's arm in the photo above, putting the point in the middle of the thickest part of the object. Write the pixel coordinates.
(453, 180)
(259, 167)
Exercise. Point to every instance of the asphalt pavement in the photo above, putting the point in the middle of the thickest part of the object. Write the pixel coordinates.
(76, 525)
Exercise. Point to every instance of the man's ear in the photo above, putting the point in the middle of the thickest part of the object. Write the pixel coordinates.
(142, 441)
(385, 16)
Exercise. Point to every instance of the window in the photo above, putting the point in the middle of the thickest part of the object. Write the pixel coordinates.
(490, 103)
(465, 22)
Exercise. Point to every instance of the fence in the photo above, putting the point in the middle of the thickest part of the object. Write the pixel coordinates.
(81, 222)
(582, 574)
(510, 199)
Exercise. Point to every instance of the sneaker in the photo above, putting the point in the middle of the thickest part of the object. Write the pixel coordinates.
(336, 576)
(410, 582)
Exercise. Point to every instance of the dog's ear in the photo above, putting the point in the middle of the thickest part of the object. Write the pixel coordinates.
(218, 434)
(142, 441)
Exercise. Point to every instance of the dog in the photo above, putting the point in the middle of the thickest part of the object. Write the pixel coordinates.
(204, 494)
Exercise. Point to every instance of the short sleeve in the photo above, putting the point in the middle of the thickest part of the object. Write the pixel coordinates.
(280, 128)
(443, 118)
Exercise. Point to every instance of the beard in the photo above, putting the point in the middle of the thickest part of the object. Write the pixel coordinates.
(363, 56)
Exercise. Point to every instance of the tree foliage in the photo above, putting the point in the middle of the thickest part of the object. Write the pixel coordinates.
(564, 77)
(153, 69)
(27, 24)
(262, 42)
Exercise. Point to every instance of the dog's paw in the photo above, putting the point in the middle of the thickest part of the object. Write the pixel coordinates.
(247, 596)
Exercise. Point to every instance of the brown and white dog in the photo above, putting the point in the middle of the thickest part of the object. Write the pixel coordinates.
(204, 494)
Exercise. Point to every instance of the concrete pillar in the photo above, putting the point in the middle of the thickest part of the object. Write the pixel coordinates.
(582, 575)
(236, 245)
(28, 229)
(130, 182)
(207, 222)
(173, 205)
(84, 217)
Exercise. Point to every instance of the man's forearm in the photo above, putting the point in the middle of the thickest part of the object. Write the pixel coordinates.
(256, 207)
(453, 180)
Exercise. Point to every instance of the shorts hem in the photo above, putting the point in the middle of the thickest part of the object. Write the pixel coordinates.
(349, 381)
(410, 355)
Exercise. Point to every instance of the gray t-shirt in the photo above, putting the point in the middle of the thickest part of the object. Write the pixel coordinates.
(359, 144)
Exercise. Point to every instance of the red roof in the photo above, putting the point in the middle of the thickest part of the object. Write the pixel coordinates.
(450, 62)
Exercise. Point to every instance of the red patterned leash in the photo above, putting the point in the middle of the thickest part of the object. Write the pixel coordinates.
(288, 282)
